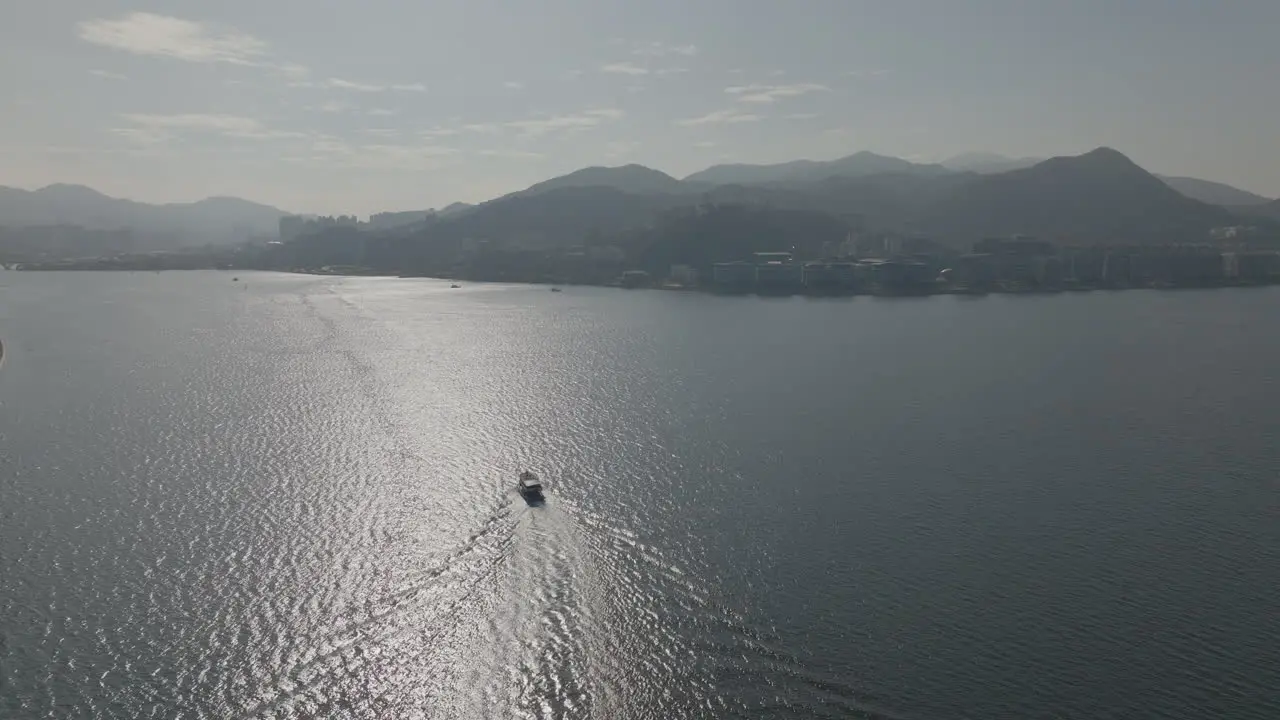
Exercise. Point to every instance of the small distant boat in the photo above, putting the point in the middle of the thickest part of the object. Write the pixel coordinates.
(455, 286)
(235, 279)
(555, 289)
(530, 486)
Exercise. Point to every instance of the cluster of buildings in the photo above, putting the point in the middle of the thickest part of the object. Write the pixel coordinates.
(780, 273)
(293, 227)
(1021, 263)
(1010, 264)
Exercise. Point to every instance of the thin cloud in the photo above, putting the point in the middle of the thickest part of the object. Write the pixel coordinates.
(513, 154)
(381, 112)
(107, 75)
(672, 71)
(143, 33)
(196, 121)
(327, 151)
(801, 116)
(149, 128)
(772, 93)
(384, 154)
(661, 49)
(620, 148)
(513, 85)
(341, 84)
(293, 70)
(705, 144)
(142, 136)
(719, 117)
(58, 150)
(164, 36)
(866, 73)
(331, 106)
(352, 86)
(542, 126)
(623, 69)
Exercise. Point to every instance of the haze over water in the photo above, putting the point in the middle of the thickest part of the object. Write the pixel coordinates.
(295, 499)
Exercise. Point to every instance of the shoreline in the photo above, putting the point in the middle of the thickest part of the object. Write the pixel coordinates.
(903, 292)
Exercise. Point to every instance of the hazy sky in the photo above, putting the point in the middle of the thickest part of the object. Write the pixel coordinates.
(345, 106)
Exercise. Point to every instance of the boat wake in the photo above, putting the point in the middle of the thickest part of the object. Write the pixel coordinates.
(544, 611)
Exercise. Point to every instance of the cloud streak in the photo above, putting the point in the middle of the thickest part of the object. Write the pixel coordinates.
(152, 129)
(512, 154)
(765, 94)
(107, 75)
(661, 49)
(143, 33)
(164, 36)
(623, 68)
(541, 126)
(334, 83)
(331, 152)
(719, 117)
(537, 126)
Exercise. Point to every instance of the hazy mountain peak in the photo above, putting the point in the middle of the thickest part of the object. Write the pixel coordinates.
(630, 178)
(71, 190)
(1213, 192)
(1102, 161)
(858, 164)
(211, 220)
(988, 162)
(1100, 196)
(1107, 155)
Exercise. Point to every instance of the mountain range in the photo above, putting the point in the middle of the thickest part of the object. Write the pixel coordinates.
(799, 171)
(1203, 190)
(1100, 196)
(215, 219)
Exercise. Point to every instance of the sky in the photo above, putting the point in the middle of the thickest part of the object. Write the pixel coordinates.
(337, 106)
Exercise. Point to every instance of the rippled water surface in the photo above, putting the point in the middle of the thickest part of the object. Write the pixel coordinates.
(292, 497)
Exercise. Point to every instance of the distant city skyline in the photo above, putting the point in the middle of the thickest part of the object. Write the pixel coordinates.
(385, 106)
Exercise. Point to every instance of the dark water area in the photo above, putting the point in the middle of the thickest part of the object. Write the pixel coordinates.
(294, 497)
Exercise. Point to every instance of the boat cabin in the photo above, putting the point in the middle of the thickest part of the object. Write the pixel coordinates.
(529, 484)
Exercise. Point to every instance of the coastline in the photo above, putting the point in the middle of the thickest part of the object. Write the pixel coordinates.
(875, 290)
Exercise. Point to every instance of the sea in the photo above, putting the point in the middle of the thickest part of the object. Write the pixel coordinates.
(287, 496)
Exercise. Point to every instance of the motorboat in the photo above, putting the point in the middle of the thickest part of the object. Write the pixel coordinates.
(530, 486)
(454, 286)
